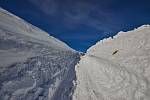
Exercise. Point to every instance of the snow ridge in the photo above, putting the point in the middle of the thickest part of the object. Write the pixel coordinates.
(116, 68)
(33, 65)
(8, 21)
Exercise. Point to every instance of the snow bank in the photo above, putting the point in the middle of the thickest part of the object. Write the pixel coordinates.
(117, 68)
(17, 25)
(33, 65)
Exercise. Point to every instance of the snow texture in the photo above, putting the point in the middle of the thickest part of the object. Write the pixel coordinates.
(33, 65)
(116, 68)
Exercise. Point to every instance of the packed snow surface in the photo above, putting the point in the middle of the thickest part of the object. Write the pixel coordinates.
(33, 65)
(116, 68)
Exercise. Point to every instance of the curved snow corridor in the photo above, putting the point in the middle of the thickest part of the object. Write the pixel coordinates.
(116, 69)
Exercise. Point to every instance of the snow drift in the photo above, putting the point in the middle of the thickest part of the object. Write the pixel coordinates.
(33, 65)
(116, 68)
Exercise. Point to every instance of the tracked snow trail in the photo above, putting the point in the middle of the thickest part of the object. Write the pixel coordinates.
(116, 69)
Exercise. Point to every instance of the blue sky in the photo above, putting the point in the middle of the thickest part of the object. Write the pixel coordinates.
(81, 23)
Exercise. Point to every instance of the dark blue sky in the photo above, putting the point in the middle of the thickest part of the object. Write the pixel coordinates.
(81, 23)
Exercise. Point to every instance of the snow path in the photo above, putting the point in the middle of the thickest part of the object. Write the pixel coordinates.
(116, 69)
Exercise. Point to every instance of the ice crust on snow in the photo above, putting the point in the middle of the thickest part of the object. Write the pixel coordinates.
(116, 68)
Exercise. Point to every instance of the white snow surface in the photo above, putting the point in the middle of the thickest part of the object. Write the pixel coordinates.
(8, 21)
(13, 28)
(116, 68)
(33, 65)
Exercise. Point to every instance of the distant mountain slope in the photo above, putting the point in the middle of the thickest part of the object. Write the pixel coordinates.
(33, 65)
(116, 69)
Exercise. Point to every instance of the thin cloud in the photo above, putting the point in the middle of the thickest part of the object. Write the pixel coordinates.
(75, 13)
(48, 7)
